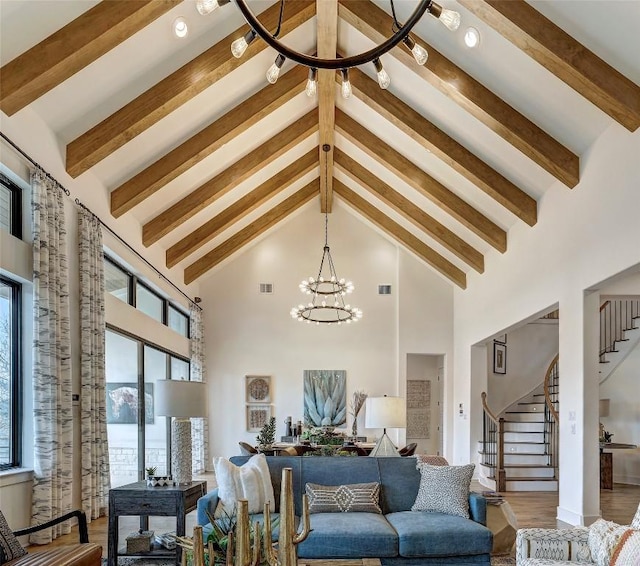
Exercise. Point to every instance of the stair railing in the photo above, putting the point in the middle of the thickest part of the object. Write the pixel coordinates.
(493, 444)
(616, 317)
(551, 419)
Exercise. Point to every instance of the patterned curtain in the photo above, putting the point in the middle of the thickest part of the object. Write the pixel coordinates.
(53, 419)
(199, 426)
(93, 415)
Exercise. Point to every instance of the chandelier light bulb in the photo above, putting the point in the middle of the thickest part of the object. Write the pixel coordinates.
(346, 84)
(450, 18)
(207, 6)
(312, 83)
(419, 53)
(274, 71)
(383, 78)
(239, 46)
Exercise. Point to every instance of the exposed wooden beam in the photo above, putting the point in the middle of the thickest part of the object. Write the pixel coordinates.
(243, 206)
(419, 180)
(565, 57)
(410, 211)
(72, 48)
(230, 178)
(173, 91)
(444, 147)
(400, 234)
(205, 142)
(246, 235)
(327, 29)
(476, 99)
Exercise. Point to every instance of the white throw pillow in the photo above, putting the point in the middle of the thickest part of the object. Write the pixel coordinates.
(251, 481)
(635, 522)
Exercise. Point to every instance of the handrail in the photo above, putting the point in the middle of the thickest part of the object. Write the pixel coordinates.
(616, 317)
(604, 305)
(547, 397)
(485, 406)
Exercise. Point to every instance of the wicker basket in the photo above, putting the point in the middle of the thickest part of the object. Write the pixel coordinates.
(139, 542)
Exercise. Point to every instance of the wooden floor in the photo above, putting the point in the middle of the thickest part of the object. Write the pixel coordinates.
(532, 509)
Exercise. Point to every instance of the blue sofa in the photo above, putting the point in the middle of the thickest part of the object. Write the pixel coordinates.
(399, 536)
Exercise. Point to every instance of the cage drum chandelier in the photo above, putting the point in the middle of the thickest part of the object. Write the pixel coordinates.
(399, 34)
(327, 305)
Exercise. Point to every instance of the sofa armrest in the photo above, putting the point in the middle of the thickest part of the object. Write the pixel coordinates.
(206, 507)
(82, 525)
(478, 508)
(557, 544)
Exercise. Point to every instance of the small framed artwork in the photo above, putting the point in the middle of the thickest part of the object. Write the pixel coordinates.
(499, 358)
(502, 339)
(258, 389)
(257, 417)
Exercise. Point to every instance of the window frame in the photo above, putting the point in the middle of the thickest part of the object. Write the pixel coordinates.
(15, 206)
(15, 386)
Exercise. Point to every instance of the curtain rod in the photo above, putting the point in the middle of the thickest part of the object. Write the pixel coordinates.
(193, 301)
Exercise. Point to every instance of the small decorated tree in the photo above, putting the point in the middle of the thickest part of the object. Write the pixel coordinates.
(267, 435)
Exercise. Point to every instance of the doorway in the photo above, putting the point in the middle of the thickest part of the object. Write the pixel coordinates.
(424, 402)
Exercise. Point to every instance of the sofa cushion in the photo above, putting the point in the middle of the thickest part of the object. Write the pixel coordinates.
(627, 551)
(344, 535)
(351, 498)
(251, 481)
(444, 489)
(10, 548)
(439, 534)
(603, 538)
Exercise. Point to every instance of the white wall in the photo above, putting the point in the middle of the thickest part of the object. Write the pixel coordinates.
(249, 333)
(530, 350)
(583, 237)
(623, 389)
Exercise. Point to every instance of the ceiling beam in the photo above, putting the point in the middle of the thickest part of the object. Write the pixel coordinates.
(175, 90)
(252, 231)
(476, 99)
(327, 28)
(410, 211)
(565, 57)
(444, 147)
(240, 208)
(400, 234)
(421, 181)
(70, 49)
(205, 142)
(230, 178)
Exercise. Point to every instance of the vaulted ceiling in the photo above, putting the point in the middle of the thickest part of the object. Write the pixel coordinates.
(207, 156)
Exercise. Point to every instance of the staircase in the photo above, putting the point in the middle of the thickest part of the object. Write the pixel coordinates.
(619, 333)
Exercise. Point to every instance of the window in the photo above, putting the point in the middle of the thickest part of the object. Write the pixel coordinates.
(148, 302)
(10, 207)
(129, 288)
(178, 321)
(10, 358)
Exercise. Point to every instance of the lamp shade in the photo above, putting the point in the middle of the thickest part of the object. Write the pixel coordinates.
(604, 407)
(181, 399)
(386, 412)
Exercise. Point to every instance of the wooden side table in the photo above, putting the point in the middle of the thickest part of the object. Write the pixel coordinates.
(138, 499)
(606, 462)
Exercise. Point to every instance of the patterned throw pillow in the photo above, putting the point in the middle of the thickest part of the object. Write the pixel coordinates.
(10, 548)
(352, 498)
(432, 459)
(251, 481)
(603, 539)
(628, 549)
(444, 489)
(635, 522)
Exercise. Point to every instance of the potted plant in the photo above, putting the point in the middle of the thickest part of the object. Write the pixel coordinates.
(267, 435)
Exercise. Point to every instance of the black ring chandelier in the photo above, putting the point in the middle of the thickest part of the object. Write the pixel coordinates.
(400, 33)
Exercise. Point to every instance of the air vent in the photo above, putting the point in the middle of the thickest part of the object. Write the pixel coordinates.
(384, 289)
(266, 288)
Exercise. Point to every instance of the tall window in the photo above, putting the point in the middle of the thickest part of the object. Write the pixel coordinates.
(10, 354)
(10, 207)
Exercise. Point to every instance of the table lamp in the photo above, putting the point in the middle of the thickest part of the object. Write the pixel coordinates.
(181, 400)
(385, 412)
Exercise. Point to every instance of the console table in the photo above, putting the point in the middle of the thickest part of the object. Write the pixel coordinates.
(139, 499)
(606, 462)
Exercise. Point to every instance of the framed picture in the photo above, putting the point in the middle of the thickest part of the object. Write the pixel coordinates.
(257, 416)
(258, 389)
(499, 358)
(325, 397)
(122, 403)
